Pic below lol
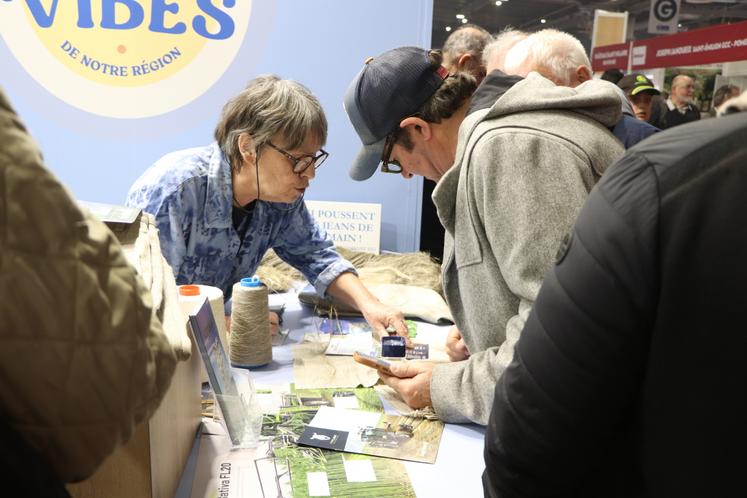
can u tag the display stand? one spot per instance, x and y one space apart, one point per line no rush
239 412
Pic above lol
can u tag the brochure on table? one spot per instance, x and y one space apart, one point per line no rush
369 433
310 471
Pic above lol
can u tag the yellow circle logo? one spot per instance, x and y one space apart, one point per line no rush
125 58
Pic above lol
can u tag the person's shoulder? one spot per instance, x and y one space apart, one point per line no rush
642 128
681 151
172 170
184 164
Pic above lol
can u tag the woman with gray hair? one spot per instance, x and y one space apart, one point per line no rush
219 208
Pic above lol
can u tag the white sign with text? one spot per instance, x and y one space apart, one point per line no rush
353 225
664 16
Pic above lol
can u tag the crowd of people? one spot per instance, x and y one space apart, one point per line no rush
592 262
595 291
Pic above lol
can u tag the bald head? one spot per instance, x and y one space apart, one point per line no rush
683 89
495 52
463 50
682 80
556 55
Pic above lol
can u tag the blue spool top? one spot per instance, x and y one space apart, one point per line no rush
251 282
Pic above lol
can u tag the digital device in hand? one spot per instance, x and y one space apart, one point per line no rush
393 346
372 362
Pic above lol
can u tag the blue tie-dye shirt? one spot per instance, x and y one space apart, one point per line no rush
190 194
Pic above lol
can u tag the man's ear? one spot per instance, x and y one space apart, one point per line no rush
418 126
583 73
464 62
247 147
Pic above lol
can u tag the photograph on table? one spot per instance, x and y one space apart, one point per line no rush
319 472
370 433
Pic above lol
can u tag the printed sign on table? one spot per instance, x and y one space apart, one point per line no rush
353 225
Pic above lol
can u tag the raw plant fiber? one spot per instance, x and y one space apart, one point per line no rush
416 269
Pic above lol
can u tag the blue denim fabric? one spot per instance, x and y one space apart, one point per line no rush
190 194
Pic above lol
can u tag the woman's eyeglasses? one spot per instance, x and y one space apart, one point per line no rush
301 164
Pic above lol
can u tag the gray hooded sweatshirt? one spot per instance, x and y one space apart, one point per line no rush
522 172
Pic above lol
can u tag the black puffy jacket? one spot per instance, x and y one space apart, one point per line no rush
630 377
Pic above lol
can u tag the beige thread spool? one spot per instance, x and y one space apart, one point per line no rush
251 342
191 296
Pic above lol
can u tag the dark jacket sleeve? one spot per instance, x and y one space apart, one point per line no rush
580 358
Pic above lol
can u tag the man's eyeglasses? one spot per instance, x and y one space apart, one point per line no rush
300 164
390 165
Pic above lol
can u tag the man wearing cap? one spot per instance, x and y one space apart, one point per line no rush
511 178
639 91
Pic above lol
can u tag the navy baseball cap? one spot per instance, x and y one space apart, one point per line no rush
389 88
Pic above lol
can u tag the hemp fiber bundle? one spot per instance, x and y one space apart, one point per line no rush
416 268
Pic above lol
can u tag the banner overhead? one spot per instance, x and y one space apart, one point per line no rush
722 43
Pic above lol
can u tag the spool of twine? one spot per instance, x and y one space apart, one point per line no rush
192 296
251 342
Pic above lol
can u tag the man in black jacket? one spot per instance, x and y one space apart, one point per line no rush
630 375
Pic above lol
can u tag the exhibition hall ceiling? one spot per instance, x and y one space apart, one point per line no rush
575 17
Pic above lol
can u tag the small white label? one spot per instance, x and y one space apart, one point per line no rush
359 471
318 484
349 402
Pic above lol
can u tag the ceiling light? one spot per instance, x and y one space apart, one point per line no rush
465 21
448 28
498 3
679 25
460 16
543 21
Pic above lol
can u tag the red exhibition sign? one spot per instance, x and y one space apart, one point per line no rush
722 43
610 57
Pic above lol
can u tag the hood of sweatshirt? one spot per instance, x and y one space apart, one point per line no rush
595 99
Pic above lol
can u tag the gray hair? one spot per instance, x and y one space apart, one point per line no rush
552 53
266 107
495 52
466 39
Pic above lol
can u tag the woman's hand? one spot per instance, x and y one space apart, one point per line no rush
385 320
274 323
382 318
